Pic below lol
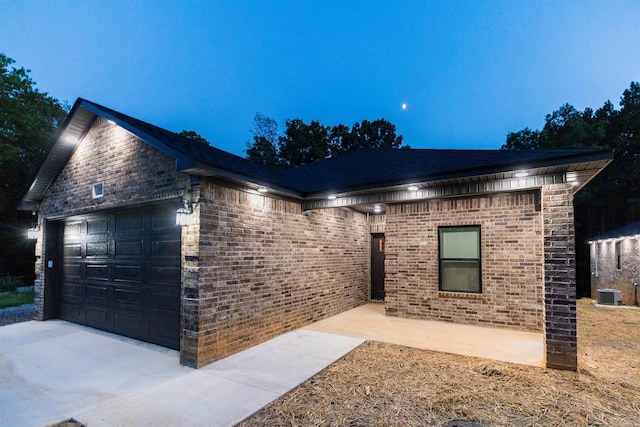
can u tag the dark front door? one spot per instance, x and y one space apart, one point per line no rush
122 274
377 266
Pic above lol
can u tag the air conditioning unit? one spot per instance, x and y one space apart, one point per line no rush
609 297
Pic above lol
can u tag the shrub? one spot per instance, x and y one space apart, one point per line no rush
10 283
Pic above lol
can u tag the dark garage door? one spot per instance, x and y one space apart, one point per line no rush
122 274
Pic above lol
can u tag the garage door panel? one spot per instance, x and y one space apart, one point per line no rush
128 249
97 249
97 271
72 228
131 297
129 273
98 226
73 312
128 323
72 271
72 250
162 328
163 220
162 274
164 248
97 316
122 274
163 299
96 293
128 223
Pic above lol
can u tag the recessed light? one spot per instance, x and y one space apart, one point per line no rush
377 208
521 174
332 197
71 139
262 190
412 188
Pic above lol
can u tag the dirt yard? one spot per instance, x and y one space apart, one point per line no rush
381 384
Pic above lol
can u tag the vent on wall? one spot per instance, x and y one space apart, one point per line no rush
609 297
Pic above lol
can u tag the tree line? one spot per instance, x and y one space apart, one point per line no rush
612 199
304 143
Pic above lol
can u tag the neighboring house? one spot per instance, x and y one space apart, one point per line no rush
480 237
615 263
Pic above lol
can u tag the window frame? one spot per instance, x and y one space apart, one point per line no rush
442 229
618 252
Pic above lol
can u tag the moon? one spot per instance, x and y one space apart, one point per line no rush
404 106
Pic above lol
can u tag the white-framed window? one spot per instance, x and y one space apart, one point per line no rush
459 259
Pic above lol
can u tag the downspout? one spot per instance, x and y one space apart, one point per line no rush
597 254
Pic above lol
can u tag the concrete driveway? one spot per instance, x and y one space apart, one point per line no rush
55 370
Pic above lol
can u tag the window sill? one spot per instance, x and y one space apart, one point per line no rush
459 295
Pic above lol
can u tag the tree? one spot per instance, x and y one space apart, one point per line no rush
194 136
28 122
304 143
526 139
263 150
612 199
379 133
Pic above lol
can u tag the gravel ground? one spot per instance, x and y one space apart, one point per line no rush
22 313
380 384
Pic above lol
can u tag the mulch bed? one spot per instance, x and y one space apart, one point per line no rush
380 384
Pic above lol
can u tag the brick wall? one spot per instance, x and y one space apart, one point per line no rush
511 258
132 173
264 269
609 276
559 277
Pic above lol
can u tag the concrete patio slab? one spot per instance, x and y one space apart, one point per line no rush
51 371
370 322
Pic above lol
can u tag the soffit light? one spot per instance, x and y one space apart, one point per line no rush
70 139
412 187
332 197
521 174
377 209
262 189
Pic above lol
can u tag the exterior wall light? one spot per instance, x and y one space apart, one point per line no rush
33 232
184 215
412 187
332 197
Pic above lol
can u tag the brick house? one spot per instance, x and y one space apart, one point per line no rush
482 237
615 263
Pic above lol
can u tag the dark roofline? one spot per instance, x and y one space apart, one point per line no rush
182 161
308 181
627 230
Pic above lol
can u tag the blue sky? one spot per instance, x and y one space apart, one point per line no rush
469 71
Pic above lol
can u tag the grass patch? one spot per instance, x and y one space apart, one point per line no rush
14 299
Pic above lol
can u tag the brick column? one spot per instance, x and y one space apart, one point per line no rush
190 308
559 278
